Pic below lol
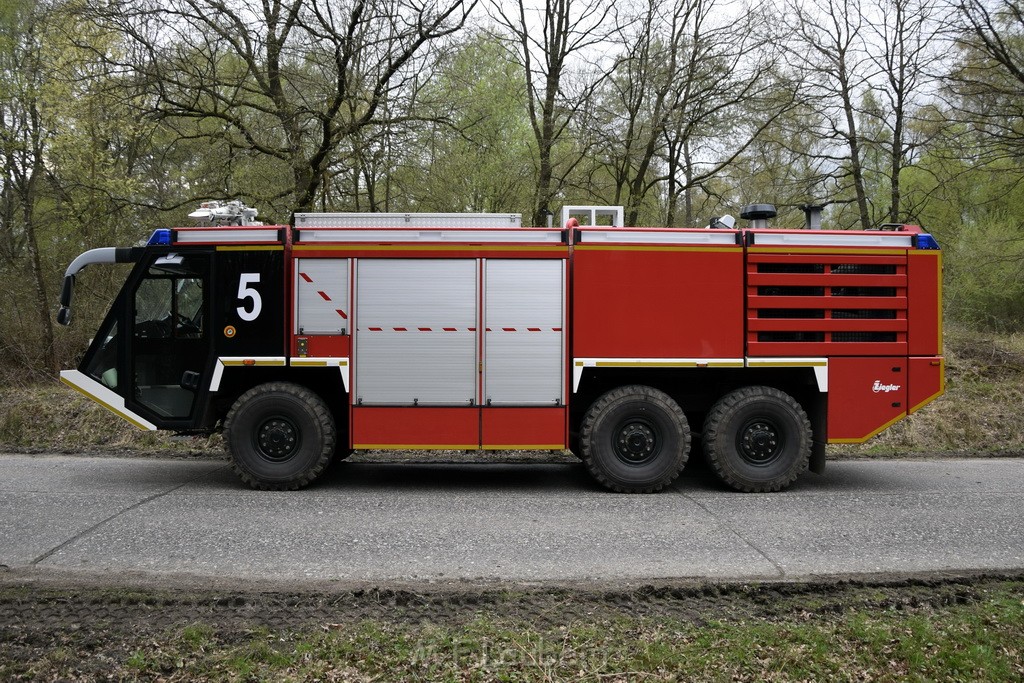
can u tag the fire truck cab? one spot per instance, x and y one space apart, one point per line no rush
348 332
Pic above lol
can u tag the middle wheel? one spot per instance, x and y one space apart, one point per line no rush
635 439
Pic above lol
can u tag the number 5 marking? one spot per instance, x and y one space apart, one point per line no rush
247 292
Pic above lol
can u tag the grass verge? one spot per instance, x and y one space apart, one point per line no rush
960 632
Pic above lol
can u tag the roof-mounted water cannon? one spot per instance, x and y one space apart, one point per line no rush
758 214
228 213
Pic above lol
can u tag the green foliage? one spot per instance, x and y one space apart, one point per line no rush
985 274
475 154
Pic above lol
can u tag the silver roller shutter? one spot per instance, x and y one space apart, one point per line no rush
523 343
416 338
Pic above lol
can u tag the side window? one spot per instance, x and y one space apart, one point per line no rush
169 302
103 365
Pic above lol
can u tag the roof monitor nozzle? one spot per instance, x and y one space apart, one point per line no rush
726 222
812 216
758 214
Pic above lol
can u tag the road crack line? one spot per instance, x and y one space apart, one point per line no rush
56 549
737 534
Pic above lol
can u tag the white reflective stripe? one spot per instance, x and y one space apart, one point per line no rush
579 363
218 372
398 236
307 362
814 238
224 235
407 220
694 237
820 366
104 396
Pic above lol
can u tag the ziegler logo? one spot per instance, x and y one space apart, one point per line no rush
878 387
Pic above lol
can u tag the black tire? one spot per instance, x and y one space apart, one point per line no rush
281 436
757 439
635 439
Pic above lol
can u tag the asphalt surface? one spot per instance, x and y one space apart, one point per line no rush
517 522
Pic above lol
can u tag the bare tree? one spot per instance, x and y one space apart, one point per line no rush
829 51
693 88
545 41
288 81
23 141
905 54
988 82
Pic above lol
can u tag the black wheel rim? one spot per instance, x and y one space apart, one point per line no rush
636 442
277 439
760 441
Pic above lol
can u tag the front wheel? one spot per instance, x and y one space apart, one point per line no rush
635 439
757 439
281 436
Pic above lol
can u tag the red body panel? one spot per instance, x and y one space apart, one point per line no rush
924 273
865 395
927 381
420 427
873 311
525 428
651 302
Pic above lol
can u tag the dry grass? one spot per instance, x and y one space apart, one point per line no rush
978 415
53 418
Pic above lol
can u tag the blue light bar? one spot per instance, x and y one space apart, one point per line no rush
160 238
926 241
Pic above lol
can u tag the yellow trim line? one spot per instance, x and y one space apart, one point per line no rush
415 447
255 363
456 447
786 364
666 364
251 247
106 405
656 247
878 431
560 250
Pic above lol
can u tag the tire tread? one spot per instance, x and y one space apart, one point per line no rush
322 416
589 425
714 423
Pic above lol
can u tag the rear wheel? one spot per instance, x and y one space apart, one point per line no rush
635 439
281 436
757 439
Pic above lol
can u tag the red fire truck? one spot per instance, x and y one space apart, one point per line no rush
347 332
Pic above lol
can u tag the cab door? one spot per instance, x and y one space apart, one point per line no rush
168 343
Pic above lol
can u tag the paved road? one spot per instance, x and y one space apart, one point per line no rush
505 521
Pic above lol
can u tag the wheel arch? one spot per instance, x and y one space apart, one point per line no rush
696 390
325 382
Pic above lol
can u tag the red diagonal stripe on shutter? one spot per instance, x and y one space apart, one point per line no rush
324 295
305 277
